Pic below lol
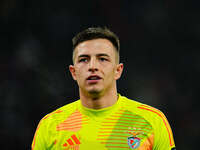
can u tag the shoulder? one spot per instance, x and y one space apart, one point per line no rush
129 104
155 117
60 113
148 112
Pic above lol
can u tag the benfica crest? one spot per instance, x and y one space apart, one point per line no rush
133 142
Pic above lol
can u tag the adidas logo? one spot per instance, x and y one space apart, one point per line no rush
72 143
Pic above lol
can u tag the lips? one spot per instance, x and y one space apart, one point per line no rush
94 77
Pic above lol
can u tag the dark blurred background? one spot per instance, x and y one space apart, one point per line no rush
159 48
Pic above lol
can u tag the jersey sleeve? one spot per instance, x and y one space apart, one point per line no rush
163 137
163 134
39 140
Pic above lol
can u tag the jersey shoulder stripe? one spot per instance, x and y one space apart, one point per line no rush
66 109
162 116
51 117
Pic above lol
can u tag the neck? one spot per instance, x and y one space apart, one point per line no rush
104 100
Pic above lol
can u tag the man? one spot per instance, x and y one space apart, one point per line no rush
102 119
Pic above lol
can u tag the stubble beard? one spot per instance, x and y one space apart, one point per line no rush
95 94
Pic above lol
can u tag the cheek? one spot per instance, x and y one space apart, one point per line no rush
110 73
79 72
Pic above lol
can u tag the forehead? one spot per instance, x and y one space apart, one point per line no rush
95 46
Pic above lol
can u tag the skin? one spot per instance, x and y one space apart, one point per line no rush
97 57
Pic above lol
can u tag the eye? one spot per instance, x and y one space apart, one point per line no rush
103 59
83 60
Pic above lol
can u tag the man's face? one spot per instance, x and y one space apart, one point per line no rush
95 66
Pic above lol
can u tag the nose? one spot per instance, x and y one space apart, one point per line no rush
93 66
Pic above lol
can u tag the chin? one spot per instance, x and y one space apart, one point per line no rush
95 93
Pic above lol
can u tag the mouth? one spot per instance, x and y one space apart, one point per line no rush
93 78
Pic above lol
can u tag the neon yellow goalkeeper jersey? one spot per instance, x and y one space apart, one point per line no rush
126 125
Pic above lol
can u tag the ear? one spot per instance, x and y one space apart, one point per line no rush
72 70
119 70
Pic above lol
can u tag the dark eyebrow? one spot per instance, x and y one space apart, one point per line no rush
98 55
103 55
83 55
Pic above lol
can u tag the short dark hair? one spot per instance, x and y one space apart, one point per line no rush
95 33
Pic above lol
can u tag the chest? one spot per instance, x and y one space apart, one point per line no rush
120 131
